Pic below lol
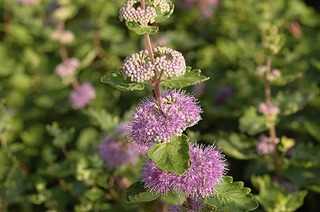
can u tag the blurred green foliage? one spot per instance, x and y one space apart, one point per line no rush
49 156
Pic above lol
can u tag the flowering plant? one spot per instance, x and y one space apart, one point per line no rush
175 163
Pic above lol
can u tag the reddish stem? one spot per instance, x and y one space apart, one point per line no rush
272 129
155 81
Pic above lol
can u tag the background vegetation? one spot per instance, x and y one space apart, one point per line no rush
49 156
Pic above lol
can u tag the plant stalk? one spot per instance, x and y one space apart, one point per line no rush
155 81
272 129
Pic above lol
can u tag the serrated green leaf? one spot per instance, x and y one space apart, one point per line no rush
251 122
284 201
172 156
238 146
136 193
191 77
116 80
232 196
141 30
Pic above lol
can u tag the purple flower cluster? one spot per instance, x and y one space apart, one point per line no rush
206 169
82 95
270 111
266 145
68 68
166 61
151 123
117 153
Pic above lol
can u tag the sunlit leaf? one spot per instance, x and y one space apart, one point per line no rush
191 77
232 196
172 156
116 80
269 189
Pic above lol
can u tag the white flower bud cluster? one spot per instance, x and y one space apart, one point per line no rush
169 61
166 61
131 14
138 67
162 4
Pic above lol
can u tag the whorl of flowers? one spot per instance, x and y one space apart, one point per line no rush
207 166
63 36
162 4
273 75
271 110
166 61
67 68
117 153
129 13
266 145
151 123
82 95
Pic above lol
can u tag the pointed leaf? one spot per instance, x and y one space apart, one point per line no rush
232 196
191 77
313 127
116 80
136 193
239 146
141 30
172 156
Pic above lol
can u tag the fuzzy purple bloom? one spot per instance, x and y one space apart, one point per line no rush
266 145
205 172
151 123
167 62
117 153
68 68
81 96
122 130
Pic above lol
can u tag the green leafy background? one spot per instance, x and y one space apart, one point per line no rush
49 157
